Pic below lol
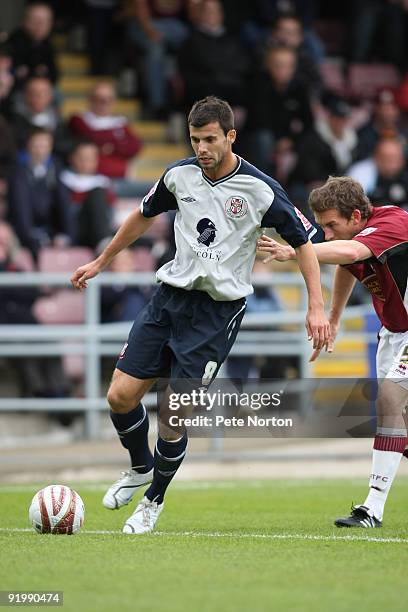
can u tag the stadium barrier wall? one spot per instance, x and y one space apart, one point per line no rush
94 340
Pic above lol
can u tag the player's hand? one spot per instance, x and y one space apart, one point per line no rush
318 328
84 273
329 346
276 250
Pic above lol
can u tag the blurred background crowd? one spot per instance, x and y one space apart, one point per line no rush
93 98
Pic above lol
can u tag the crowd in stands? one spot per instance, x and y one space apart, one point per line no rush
318 89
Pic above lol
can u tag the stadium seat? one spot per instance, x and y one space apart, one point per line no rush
365 80
159 230
64 307
332 74
74 366
66 260
24 260
144 260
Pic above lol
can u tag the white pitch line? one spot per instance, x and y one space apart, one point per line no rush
187 485
239 536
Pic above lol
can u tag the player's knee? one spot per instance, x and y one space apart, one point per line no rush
119 400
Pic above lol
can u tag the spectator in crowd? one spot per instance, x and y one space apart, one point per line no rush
384 176
116 142
326 149
100 20
222 69
39 208
367 16
6 79
37 109
279 108
385 122
90 195
7 139
287 31
120 303
38 376
31 47
156 28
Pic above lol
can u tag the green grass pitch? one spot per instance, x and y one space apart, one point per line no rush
227 547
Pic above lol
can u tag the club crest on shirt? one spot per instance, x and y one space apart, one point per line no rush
236 207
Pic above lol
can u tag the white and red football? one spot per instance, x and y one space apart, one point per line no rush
57 509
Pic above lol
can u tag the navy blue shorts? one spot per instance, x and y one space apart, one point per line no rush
181 334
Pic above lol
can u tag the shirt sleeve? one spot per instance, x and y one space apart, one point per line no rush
384 237
288 221
158 200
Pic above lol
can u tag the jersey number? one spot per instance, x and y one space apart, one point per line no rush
210 370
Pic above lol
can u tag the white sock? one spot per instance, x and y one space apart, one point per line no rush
384 468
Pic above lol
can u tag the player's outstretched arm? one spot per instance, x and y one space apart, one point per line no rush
317 325
134 226
276 251
343 285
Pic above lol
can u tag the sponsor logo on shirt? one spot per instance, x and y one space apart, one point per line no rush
236 207
151 192
367 231
372 284
206 231
305 222
123 351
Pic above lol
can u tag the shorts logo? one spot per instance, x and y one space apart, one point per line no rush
401 368
404 356
236 207
123 351
206 232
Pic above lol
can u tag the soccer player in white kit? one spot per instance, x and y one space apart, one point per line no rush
190 324
371 245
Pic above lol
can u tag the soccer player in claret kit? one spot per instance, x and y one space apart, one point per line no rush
371 245
189 326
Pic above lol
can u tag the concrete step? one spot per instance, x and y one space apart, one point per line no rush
163 153
150 131
79 85
71 105
332 367
73 63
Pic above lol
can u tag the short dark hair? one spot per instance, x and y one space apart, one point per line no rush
341 193
38 131
209 110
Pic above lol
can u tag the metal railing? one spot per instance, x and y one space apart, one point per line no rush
259 335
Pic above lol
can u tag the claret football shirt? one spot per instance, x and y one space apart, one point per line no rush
218 223
385 274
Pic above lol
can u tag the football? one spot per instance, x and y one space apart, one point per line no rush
57 509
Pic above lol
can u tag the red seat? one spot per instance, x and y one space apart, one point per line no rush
67 260
64 306
24 260
365 80
333 76
74 366
160 228
144 261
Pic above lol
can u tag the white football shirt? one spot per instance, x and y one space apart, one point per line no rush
218 223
